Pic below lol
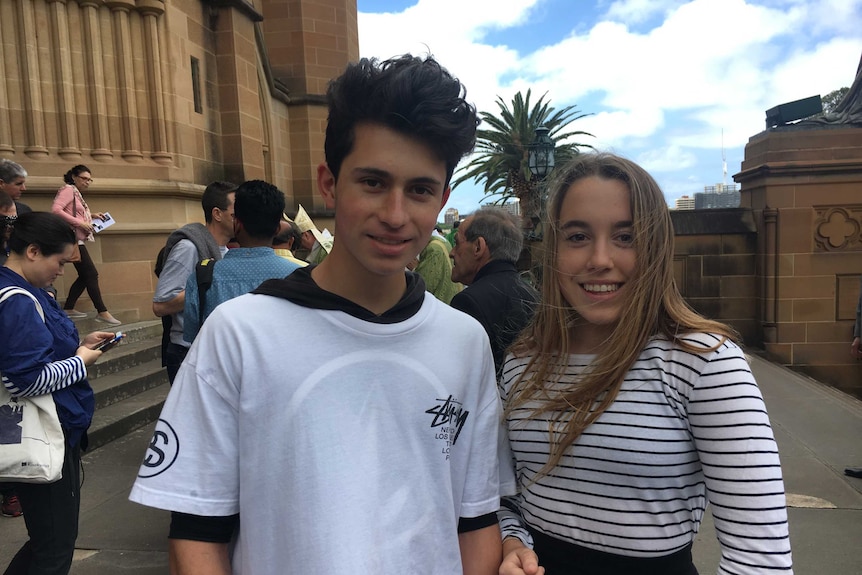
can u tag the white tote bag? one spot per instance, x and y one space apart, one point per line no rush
32 445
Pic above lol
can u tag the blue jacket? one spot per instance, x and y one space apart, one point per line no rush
27 345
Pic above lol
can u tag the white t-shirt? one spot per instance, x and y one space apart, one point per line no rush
346 446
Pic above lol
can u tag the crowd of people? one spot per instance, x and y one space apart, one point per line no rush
478 425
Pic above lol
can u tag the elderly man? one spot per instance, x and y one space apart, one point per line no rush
487 245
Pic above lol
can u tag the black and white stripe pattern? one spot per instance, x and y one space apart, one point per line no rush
55 376
686 428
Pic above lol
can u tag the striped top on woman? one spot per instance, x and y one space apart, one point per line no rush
686 429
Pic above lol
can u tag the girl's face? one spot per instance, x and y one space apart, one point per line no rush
40 270
596 259
83 181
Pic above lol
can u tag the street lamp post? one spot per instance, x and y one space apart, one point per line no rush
541 162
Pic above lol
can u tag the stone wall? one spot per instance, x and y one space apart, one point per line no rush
714 266
804 188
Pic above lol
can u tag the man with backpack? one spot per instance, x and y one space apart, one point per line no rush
258 209
184 248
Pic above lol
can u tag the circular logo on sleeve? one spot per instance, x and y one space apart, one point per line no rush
162 451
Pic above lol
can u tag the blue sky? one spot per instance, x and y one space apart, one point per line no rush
666 81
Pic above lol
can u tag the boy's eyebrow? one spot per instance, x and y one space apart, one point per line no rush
383 174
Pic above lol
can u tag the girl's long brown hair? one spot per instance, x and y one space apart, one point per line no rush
654 307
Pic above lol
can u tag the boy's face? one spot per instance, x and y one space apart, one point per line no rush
389 193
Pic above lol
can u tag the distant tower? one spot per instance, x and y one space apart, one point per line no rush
723 161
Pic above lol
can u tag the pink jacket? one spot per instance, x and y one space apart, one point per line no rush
68 201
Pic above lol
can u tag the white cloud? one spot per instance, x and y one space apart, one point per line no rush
662 78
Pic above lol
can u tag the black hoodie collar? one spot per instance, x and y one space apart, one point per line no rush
301 289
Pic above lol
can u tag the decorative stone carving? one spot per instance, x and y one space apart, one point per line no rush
836 228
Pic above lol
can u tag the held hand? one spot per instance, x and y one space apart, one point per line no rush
99 215
856 349
88 227
95 338
88 355
520 561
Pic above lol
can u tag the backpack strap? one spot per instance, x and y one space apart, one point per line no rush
9 291
204 277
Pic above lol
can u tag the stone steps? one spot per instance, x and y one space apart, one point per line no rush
129 381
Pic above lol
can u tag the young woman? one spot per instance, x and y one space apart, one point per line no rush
627 411
70 205
40 357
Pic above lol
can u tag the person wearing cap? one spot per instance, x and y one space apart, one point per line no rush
313 241
372 443
286 239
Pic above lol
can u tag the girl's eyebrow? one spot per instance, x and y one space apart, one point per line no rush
582 224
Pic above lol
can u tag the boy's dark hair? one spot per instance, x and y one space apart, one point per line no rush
259 206
290 231
414 96
48 232
215 196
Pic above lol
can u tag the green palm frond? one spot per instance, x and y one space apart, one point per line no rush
500 162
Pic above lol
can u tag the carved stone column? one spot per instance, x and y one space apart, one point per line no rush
64 88
6 140
770 271
28 62
94 73
125 78
151 10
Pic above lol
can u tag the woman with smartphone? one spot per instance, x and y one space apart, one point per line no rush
45 356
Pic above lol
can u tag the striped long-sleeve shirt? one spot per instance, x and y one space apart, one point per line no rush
686 428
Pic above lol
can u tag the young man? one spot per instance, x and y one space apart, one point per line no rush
258 209
372 445
184 248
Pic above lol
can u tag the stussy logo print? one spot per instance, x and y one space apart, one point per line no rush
449 417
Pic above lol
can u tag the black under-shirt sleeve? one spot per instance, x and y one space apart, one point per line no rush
202 528
466 524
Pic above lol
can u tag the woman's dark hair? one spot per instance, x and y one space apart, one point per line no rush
76 171
411 95
48 232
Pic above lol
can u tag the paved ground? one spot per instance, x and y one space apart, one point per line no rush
819 432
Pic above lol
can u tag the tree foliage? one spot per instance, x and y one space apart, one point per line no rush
501 160
832 99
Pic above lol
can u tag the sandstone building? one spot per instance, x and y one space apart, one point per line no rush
160 97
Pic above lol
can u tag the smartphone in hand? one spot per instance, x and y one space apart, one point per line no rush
107 344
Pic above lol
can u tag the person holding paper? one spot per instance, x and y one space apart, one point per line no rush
69 204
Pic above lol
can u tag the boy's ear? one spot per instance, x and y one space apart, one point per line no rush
326 185
446 193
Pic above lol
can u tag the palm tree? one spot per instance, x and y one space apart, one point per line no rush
501 160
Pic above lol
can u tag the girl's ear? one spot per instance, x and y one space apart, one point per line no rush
33 251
